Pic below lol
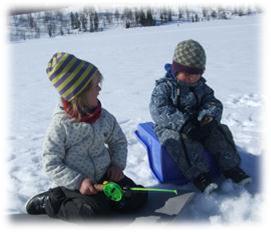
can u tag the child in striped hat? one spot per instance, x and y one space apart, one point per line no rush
83 147
187 117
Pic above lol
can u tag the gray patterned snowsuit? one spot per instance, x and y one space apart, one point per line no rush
172 105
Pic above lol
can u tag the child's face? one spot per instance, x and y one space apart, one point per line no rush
188 78
92 94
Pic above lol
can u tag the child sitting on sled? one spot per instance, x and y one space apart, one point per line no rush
187 117
83 147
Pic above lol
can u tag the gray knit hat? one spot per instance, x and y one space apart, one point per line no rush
189 56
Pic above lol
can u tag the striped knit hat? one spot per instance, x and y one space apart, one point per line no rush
70 75
189 56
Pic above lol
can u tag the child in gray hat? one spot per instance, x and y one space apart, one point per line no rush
187 120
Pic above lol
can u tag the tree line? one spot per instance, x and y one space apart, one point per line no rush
62 22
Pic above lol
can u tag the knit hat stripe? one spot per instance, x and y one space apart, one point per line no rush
76 76
72 69
73 87
60 67
54 60
176 68
83 85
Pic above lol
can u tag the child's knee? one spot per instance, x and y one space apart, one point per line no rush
226 130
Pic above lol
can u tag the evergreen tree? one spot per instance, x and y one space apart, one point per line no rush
142 18
193 18
188 15
214 14
128 17
117 15
37 32
180 13
31 22
50 32
61 31
96 21
149 19
163 16
137 17
196 18
72 18
83 22
241 12
47 17
169 15
204 12
76 21
109 18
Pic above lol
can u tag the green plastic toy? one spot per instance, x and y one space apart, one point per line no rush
115 192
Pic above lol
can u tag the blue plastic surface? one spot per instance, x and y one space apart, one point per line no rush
160 162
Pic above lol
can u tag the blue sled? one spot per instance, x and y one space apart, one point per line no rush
160 162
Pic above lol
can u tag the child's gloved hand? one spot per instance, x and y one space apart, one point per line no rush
207 126
191 130
206 120
204 115
114 173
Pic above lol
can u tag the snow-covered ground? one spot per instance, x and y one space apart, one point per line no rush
130 61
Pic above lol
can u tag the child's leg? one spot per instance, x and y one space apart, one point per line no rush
187 154
132 200
71 205
221 145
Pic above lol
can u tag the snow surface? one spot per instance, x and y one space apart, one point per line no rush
130 61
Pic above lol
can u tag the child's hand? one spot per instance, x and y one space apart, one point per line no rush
191 130
114 173
206 120
87 187
208 126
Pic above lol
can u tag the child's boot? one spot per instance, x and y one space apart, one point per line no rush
36 205
204 183
238 176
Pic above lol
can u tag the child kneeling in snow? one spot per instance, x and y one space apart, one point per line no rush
187 117
83 147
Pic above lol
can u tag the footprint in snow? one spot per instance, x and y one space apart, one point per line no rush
248 100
